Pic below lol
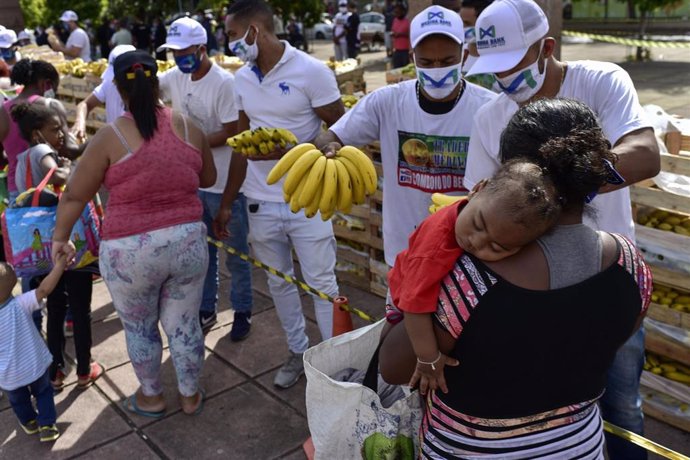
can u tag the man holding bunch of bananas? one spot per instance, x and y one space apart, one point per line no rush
205 93
281 87
423 125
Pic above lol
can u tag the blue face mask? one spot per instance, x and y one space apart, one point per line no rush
189 63
7 54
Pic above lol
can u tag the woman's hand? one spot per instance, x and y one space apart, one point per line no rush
62 249
431 377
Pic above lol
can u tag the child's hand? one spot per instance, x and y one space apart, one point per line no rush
432 378
61 261
64 249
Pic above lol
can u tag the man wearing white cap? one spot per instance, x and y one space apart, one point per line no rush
423 125
206 93
512 44
340 31
78 44
8 49
105 94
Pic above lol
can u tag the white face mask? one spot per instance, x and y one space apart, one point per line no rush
439 82
522 85
243 50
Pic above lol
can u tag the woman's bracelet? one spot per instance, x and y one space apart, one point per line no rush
432 363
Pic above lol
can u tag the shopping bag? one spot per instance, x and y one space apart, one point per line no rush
347 420
28 233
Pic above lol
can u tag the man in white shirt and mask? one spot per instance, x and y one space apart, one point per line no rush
339 31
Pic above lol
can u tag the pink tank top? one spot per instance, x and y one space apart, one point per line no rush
154 187
14 143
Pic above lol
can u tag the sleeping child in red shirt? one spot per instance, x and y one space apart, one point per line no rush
500 216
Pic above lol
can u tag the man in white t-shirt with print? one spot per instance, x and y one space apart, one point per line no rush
512 44
206 94
78 44
424 127
281 87
104 95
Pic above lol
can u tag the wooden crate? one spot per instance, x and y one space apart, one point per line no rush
355 78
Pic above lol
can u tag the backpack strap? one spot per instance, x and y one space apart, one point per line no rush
41 186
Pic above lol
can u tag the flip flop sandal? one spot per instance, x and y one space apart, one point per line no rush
200 407
130 405
96 371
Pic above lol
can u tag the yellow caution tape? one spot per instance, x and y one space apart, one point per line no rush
613 429
641 441
290 279
627 41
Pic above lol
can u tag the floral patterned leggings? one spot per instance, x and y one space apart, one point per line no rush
159 276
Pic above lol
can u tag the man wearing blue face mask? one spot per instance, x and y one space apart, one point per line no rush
423 125
205 93
8 50
512 44
281 87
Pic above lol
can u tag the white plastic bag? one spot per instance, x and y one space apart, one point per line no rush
347 420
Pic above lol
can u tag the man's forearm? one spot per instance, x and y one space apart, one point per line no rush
325 138
238 172
638 158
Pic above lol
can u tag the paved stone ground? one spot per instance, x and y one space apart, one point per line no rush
245 416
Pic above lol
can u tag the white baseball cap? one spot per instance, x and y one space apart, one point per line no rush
183 33
68 16
23 35
7 38
342 3
436 20
505 31
109 74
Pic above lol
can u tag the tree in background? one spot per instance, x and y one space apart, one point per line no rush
33 11
646 8
47 12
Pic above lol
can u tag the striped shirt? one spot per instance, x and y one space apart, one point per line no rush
533 363
24 356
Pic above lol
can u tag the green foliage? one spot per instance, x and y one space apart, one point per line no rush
33 11
309 11
648 6
85 9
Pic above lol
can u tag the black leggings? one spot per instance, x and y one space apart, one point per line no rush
74 288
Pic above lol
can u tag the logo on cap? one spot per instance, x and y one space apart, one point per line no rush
173 32
434 18
490 32
492 41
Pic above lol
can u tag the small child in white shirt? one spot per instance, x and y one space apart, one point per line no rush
24 356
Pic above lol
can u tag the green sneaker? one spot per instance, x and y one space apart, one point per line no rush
48 433
31 427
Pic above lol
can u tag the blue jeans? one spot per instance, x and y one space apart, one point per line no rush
26 281
240 271
42 391
621 403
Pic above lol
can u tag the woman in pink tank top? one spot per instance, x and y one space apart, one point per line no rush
154 255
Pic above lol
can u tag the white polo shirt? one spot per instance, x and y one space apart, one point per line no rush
608 90
209 102
283 98
80 38
421 153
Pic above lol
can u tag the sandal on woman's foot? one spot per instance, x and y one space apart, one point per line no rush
59 382
130 405
85 381
200 404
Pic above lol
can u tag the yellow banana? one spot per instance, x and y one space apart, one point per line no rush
271 145
294 199
358 191
263 148
251 150
287 135
330 185
286 162
299 170
311 209
314 181
286 197
441 199
256 136
678 377
433 209
265 134
652 360
668 367
327 216
364 165
344 187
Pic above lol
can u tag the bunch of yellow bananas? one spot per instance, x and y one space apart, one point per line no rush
665 220
673 370
669 297
440 200
165 65
349 100
78 68
318 183
262 141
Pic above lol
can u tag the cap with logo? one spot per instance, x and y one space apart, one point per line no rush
68 16
436 20
183 33
505 30
7 38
